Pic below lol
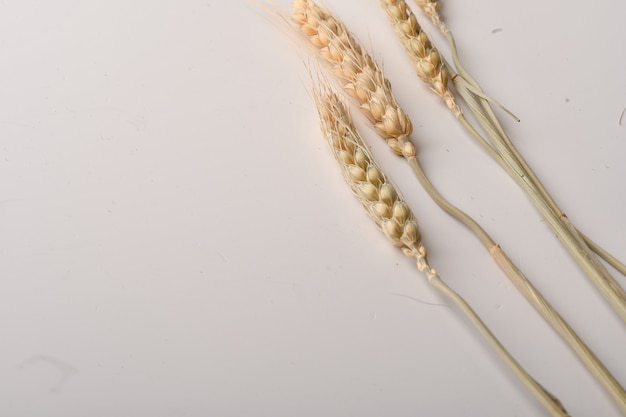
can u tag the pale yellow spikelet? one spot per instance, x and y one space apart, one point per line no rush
424 56
377 194
357 71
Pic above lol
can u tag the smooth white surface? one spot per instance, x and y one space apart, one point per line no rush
175 238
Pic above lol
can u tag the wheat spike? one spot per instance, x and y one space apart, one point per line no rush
377 195
359 74
424 56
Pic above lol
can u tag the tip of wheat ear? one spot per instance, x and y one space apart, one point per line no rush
431 9
358 73
377 194
424 56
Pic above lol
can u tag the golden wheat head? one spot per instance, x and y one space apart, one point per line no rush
356 70
377 194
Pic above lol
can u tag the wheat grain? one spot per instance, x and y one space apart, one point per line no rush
424 56
359 74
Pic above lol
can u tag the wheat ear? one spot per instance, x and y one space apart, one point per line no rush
385 205
484 113
356 70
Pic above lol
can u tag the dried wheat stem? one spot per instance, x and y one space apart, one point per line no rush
602 253
568 235
431 9
549 401
589 359
392 215
490 123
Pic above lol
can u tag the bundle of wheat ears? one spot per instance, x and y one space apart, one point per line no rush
360 77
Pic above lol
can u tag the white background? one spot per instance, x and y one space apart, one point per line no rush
176 240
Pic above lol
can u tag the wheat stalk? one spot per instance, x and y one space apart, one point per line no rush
426 59
385 205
